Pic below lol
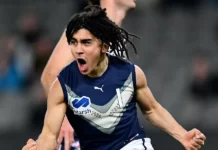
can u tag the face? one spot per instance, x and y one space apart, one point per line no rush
87 51
128 4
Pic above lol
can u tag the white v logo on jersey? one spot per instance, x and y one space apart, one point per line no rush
99 88
111 112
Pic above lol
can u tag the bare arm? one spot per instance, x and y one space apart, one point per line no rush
56 109
154 112
60 58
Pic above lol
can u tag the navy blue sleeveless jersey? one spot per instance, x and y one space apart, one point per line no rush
102 110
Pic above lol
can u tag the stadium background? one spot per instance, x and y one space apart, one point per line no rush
178 45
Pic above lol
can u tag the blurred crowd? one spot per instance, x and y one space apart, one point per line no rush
204 83
24 53
26 46
25 50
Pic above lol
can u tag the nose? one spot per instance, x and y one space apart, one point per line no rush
79 50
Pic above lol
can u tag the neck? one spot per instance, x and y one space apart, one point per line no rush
114 12
100 68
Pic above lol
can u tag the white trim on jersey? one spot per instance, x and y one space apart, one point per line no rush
119 98
110 113
140 144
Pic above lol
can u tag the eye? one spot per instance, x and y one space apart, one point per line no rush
87 43
72 42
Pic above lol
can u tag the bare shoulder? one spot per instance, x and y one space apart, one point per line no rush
140 77
56 93
56 85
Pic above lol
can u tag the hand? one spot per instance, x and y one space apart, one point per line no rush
30 145
193 140
66 133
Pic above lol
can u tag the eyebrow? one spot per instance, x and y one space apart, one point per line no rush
85 40
82 40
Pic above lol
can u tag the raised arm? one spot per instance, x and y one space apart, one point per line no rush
160 117
61 57
56 109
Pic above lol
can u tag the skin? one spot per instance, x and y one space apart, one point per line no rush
61 57
116 11
152 110
85 46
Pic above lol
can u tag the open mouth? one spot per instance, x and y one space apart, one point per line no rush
81 61
82 64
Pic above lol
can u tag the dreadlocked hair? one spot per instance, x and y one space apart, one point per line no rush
94 2
95 20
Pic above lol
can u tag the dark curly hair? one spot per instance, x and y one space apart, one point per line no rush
94 2
95 20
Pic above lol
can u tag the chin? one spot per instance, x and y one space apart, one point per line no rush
84 73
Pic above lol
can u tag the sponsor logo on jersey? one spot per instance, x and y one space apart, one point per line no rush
81 105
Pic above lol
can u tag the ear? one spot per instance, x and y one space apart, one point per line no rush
105 48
